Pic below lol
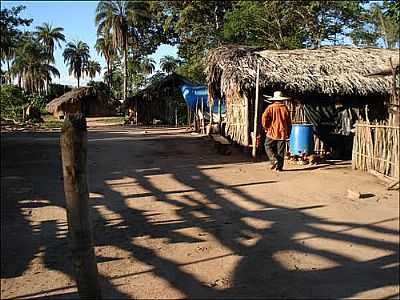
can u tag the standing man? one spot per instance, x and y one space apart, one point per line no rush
277 125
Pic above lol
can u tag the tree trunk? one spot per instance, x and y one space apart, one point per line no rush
109 75
78 80
383 30
74 163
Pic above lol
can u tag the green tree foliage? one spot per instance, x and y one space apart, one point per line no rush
10 34
91 68
50 37
105 47
12 99
77 56
196 26
169 63
272 24
193 69
100 86
123 20
377 24
290 24
33 65
147 66
393 10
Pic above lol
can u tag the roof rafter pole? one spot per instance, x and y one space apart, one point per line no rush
254 152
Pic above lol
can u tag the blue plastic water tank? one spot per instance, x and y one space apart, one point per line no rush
301 139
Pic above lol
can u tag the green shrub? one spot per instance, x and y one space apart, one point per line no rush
12 100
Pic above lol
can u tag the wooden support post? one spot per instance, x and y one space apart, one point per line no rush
189 115
220 116
136 113
246 124
254 152
196 117
203 122
74 163
211 118
176 116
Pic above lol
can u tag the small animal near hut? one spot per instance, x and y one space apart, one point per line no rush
323 84
85 100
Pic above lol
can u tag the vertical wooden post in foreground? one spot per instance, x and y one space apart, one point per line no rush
74 164
254 152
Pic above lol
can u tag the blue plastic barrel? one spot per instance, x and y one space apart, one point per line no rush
301 139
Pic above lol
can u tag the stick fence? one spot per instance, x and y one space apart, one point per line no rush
376 147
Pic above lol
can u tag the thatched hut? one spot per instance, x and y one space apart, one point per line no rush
323 85
85 100
161 100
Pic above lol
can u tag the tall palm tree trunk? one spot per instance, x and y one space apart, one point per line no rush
109 74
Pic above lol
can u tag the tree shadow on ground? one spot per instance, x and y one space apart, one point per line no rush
216 213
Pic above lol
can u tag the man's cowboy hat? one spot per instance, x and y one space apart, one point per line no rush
276 97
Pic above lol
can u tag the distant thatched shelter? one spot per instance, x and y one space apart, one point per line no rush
86 100
161 100
320 82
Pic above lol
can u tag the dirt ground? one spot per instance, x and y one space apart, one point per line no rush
172 218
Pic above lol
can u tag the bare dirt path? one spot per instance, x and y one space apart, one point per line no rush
174 219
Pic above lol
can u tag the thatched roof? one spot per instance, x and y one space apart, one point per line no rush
394 64
327 70
73 96
159 87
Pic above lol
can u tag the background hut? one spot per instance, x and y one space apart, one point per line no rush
85 100
328 87
161 100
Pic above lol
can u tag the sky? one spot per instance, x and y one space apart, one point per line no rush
77 19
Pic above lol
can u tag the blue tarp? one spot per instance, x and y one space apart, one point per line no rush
196 94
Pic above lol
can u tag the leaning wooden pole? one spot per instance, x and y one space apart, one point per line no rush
74 164
254 152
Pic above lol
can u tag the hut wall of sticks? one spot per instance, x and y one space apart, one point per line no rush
376 145
161 101
85 100
327 87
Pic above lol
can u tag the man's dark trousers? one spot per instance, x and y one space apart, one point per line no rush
275 150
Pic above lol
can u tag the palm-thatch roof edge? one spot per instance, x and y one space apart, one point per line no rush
331 70
72 96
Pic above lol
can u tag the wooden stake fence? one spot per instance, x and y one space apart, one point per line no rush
376 147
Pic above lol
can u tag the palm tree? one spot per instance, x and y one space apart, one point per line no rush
76 55
92 68
117 17
33 66
105 48
50 38
169 63
148 65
